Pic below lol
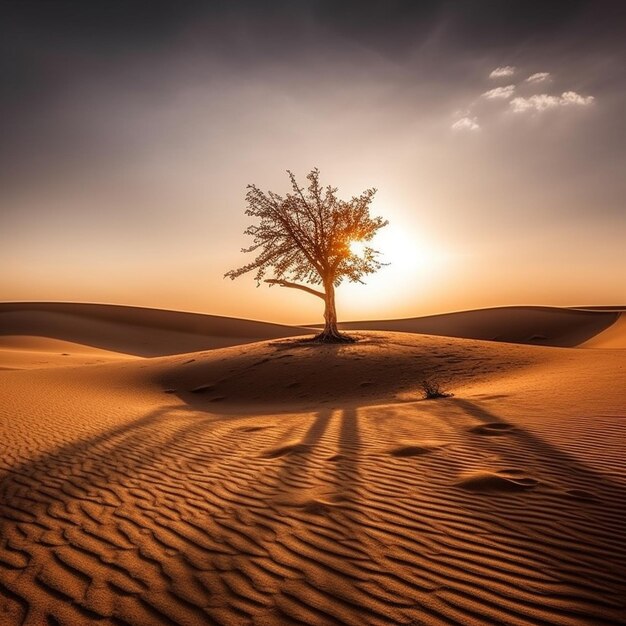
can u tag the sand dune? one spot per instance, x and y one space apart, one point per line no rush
281 483
548 326
613 337
25 352
60 334
133 330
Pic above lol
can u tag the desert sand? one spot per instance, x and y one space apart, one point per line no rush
159 467
548 326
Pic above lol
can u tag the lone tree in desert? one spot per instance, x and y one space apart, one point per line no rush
306 237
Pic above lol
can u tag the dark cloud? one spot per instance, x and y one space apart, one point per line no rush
54 52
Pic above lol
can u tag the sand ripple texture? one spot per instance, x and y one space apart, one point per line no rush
121 505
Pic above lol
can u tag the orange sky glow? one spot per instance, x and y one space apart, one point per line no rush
499 169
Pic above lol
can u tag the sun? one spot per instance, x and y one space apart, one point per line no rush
408 253
357 247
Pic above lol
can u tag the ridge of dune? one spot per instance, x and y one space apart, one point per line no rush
24 352
173 490
124 330
616 308
612 337
133 330
536 325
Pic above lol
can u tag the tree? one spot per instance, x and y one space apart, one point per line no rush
305 237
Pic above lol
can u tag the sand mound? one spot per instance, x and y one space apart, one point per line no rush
133 330
123 504
291 372
545 326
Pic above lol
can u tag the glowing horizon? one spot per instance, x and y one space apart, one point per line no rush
495 149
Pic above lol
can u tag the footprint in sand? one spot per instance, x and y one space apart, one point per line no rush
502 481
316 507
512 471
492 428
252 429
202 388
293 448
580 494
417 449
336 457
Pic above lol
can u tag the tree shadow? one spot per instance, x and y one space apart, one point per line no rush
179 504
113 500
579 527
534 447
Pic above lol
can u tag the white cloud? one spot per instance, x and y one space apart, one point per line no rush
500 92
538 103
543 101
507 70
539 77
466 123
571 97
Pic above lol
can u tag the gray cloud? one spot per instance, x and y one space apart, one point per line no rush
499 93
538 77
542 102
466 123
500 72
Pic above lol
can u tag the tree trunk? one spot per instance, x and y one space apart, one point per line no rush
331 333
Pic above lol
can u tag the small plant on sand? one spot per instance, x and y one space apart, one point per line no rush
309 236
432 390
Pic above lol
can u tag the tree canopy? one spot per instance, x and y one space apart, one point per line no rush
303 238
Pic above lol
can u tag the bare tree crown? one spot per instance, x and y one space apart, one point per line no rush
305 236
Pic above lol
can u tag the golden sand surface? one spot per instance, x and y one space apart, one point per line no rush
280 482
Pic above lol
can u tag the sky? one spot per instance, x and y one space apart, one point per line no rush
493 131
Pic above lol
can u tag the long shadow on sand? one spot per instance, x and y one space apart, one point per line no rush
185 516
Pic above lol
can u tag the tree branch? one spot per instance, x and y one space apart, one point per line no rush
286 283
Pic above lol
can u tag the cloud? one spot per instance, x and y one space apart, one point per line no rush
538 103
499 92
543 101
571 97
466 123
539 77
499 72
